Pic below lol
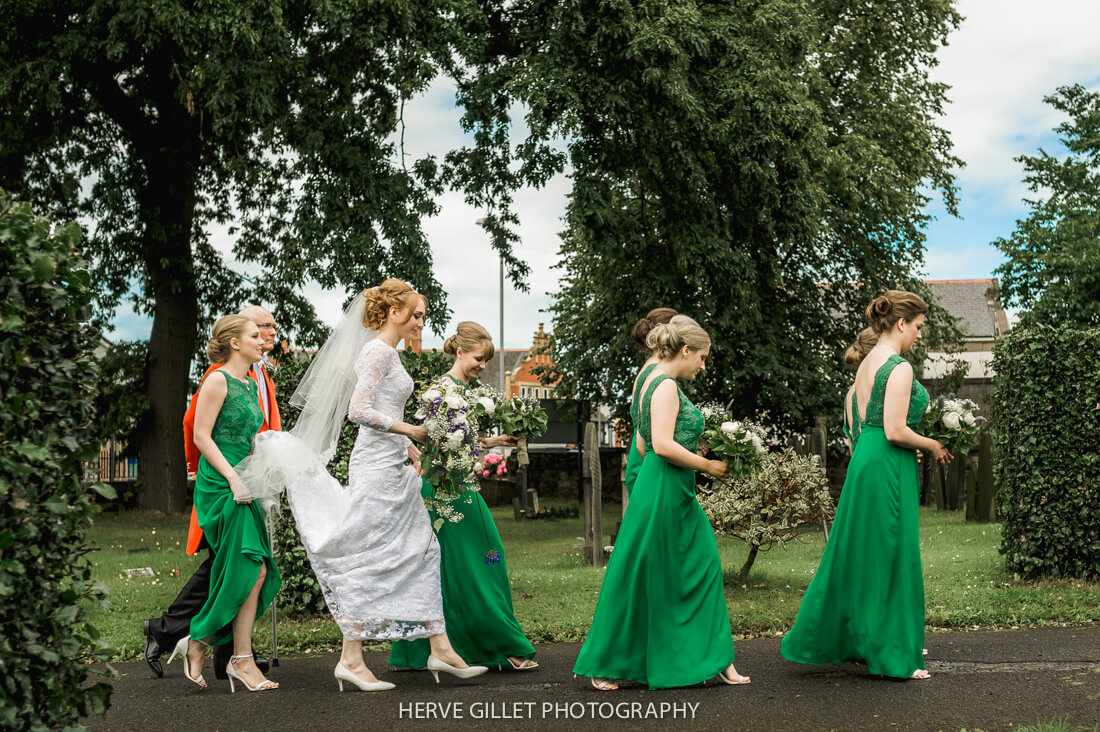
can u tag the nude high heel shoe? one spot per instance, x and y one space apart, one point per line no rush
342 674
434 665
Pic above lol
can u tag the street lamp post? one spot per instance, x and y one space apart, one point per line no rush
481 222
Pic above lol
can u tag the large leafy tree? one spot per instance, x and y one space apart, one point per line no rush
278 119
1053 267
745 163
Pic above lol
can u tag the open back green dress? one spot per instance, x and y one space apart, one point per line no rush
477 595
661 617
866 600
633 457
236 531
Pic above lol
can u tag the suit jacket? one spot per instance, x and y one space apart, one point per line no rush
194 534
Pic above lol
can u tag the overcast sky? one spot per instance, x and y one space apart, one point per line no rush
1005 58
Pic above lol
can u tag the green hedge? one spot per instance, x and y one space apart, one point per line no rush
47 376
301 594
1046 439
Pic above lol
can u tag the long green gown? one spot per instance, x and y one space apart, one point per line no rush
633 457
661 617
866 600
236 532
477 595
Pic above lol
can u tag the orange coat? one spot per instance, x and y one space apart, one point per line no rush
194 534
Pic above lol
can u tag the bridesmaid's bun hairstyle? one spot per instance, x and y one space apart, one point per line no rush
470 336
390 294
666 339
219 348
892 306
657 316
858 351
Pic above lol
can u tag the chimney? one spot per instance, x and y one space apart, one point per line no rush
413 344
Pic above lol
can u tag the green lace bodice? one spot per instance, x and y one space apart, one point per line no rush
851 429
918 398
240 417
638 392
689 420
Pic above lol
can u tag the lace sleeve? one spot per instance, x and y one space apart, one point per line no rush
372 366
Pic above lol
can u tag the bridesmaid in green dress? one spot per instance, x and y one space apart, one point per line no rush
661 617
477 595
243 579
866 600
639 333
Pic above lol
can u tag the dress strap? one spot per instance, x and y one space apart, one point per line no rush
645 424
638 389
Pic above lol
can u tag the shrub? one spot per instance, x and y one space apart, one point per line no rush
47 373
787 495
1046 441
301 593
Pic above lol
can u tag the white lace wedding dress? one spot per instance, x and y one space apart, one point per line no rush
371 544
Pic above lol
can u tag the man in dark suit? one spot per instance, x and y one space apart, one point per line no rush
162 633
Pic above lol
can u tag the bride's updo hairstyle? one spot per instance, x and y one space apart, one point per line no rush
858 351
390 294
641 329
891 306
470 336
666 339
218 348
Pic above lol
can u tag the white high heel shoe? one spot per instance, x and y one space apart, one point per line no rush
181 651
434 665
264 685
342 674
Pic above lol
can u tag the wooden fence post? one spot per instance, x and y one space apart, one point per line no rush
986 507
591 480
955 483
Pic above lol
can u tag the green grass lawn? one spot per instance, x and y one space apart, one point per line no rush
555 593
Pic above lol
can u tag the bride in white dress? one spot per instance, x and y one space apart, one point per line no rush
371 544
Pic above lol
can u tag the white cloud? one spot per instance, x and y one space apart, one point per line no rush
1006 56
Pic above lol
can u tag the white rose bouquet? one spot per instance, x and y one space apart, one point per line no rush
953 422
482 401
451 458
742 444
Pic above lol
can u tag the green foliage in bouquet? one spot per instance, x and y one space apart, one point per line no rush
521 416
47 375
787 495
1046 429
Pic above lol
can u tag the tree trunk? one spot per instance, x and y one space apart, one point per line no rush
744 571
168 208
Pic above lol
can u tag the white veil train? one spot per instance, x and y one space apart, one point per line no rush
299 456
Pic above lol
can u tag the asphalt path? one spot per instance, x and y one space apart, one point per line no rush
989 680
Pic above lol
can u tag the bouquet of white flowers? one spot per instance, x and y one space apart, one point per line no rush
740 443
451 458
952 421
482 401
